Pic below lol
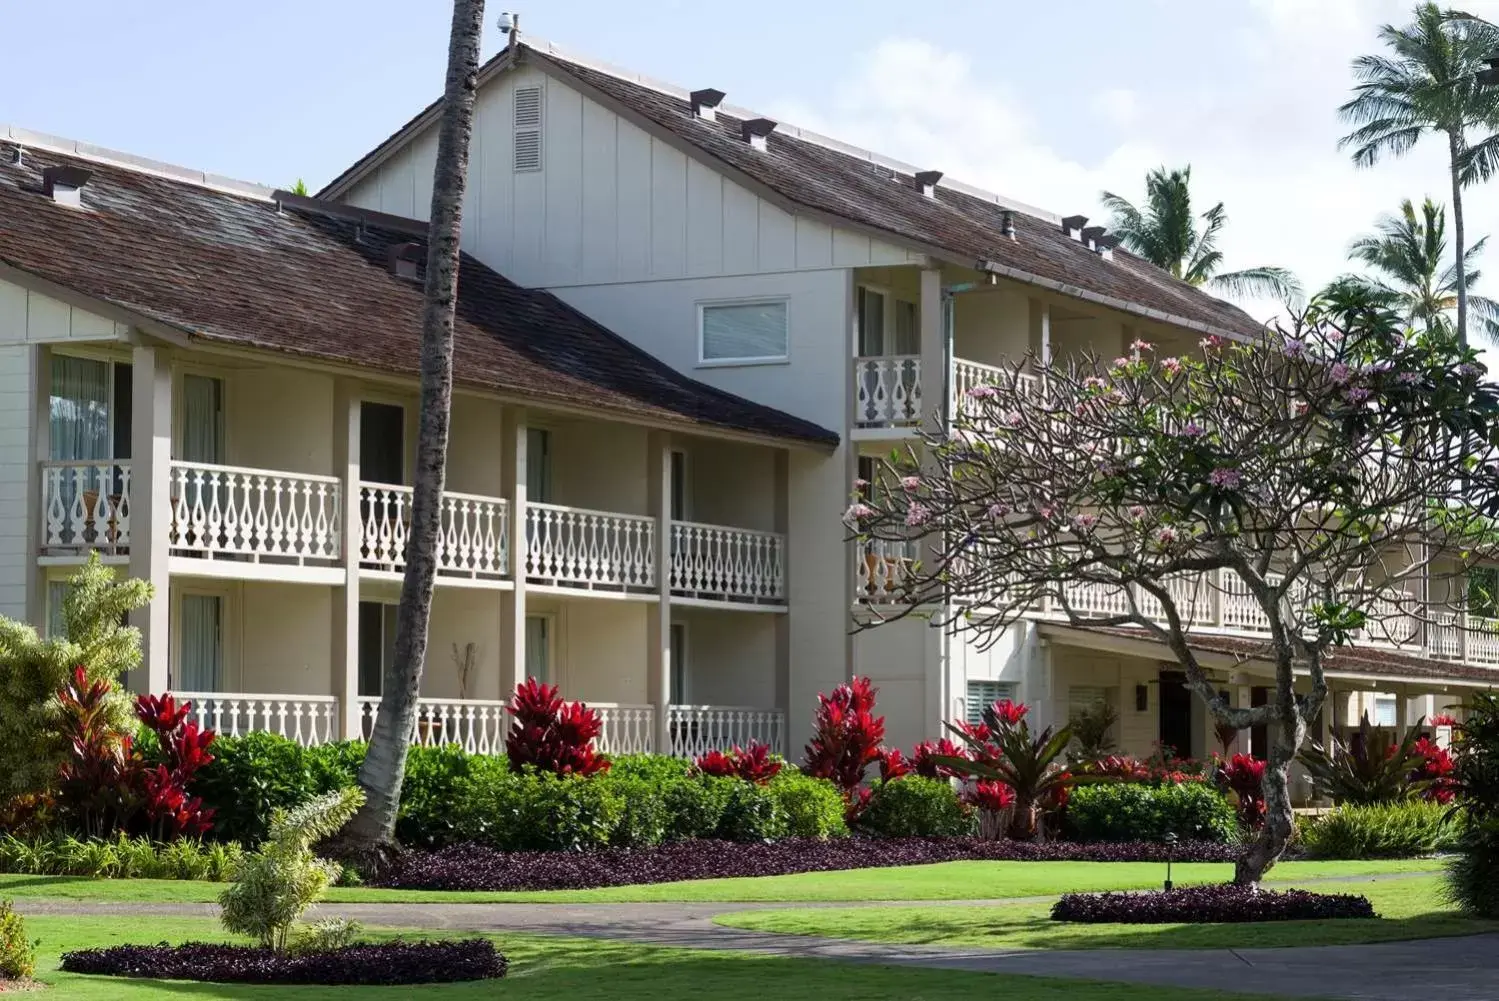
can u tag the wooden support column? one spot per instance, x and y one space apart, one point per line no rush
345 648
658 627
150 502
512 667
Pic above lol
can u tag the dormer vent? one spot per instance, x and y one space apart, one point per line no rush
1007 223
705 103
1073 226
64 185
405 260
926 182
1092 234
756 132
1105 246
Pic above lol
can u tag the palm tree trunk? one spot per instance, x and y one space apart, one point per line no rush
1454 151
370 833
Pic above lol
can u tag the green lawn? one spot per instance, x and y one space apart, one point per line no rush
563 969
943 881
1408 909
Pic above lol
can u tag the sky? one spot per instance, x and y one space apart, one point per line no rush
1047 103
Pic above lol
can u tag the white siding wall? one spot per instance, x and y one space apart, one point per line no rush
611 204
29 317
17 490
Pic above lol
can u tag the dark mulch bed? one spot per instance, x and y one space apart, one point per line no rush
474 867
1209 904
373 964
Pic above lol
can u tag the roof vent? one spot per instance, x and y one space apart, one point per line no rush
705 103
64 185
1105 246
1007 223
20 160
926 182
404 260
1073 226
1092 234
755 131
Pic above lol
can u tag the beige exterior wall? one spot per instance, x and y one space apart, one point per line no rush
731 658
1137 731
475 447
900 657
729 483
461 616
276 417
598 646
598 465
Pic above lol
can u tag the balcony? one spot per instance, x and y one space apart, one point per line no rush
714 563
85 506
473 541
888 390
255 515
577 548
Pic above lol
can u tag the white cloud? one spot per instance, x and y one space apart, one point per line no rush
1264 145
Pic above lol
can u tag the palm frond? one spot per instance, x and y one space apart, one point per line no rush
1258 283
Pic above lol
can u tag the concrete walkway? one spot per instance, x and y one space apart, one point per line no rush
1454 969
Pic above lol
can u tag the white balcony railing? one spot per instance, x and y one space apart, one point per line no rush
712 561
881 568
627 729
255 514
473 541
573 547
307 719
697 730
476 725
85 505
967 375
887 390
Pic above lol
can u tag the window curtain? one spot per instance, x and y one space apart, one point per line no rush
871 322
538 465
201 419
79 408
538 648
907 332
747 331
202 661
679 665
57 593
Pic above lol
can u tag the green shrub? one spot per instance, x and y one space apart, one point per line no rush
811 806
535 811
17 952
1129 811
643 815
1387 830
655 767
916 807
118 858
750 813
1472 877
694 806
433 777
254 775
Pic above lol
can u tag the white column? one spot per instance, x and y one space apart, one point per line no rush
345 652
150 502
513 601
1402 713
933 346
783 620
41 429
1045 334
658 628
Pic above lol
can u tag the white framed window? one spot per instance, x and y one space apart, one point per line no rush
749 332
983 694
200 419
1384 710
1083 698
57 593
539 648
377 646
539 465
527 120
887 325
680 693
200 643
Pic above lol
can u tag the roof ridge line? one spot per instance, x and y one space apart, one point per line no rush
130 161
549 48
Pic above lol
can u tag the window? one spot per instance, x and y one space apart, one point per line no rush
57 593
887 326
201 644
202 419
678 654
539 465
1384 710
679 505
527 129
744 332
539 648
81 412
982 695
377 646
1085 698
1483 592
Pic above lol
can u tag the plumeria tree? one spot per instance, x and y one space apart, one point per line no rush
1325 477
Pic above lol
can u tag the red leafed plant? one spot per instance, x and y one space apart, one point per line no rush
551 734
846 737
893 764
753 764
97 785
923 764
1436 770
989 794
1245 778
170 809
1444 719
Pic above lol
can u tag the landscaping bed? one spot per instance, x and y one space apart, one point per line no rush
475 867
1218 904
387 963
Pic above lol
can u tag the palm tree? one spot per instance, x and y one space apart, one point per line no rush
1408 253
1167 235
1428 84
369 834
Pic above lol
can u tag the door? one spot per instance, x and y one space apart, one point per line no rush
680 500
539 648
1259 736
382 443
538 465
1176 714
678 653
201 438
377 646
200 644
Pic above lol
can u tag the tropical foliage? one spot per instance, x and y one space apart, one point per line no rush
551 734
1014 767
1473 872
1167 234
1369 768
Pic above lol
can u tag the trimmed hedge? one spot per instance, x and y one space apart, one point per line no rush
1209 904
1386 830
1130 811
916 807
370 964
252 775
475 867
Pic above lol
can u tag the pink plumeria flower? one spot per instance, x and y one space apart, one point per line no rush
1166 536
1136 512
1224 477
1211 343
917 514
1140 345
998 511
1294 348
1356 394
1408 378
982 392
1339 373
860 483
1095 382
910 484
1122 362
1084 522
1193 430
858 512
1171 366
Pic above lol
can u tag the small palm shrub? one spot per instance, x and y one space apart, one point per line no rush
1370 768
1472 878
1382 830
278 882
17 952
918 807
1092 732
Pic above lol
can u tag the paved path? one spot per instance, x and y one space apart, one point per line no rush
1455 969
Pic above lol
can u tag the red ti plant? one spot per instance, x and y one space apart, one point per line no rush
550 734
752 764
847 736
1002 749
923 760
97 783
1435 772
893 764
171 811
1245 777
